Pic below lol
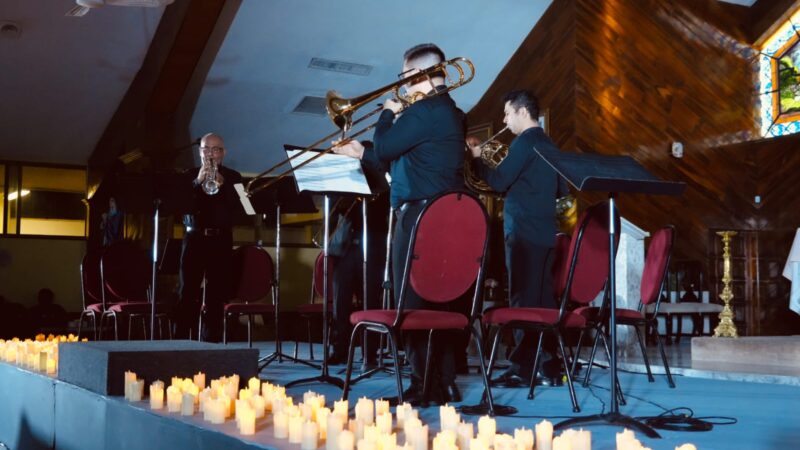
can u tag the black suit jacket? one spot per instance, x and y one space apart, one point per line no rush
424 148
214 211
530 185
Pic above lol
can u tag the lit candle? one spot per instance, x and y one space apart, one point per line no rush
487 427
466 433
387 441
444 440
401 412
384 423
334 426
624 438
173 399
544 435
364 411
449 418
364 444
137 391
582 440
280 425
41 365
322 421
199 380
504 442
157 395
346 441
187 404
686 447
254 384
247 422
310 432
562 443
259 405
216 409
357 428
176 381
340 408
477 444
523 437
296 429
130 377
245 394
381 406
417 435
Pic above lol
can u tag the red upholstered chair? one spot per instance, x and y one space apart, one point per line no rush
125 271
446 257
654 278
313 309
254 275
585 278
91 291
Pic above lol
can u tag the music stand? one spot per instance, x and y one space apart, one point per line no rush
157 193
328 174
612 174
283 198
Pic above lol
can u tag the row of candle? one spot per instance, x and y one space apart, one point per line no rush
40 354
310 422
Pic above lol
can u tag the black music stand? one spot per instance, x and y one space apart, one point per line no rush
160 193
281 198
324 179
612 174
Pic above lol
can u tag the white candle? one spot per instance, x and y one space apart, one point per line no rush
417 435
448 418
254 384
187 404
544 435
381 407
561 443
346 441
296 429
364 411
259 405
401 412
216 410
487 427
157 395
322 421
465 435
334 426
477 444
384 423
245 394
504 442
137 391
582 440
624 438
130 377
340 409
364 444
199 380
309 439
523 438
280 425
686 447
247 422
173 399
51 366
444 440
176 381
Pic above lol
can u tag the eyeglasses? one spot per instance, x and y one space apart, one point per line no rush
213 149
402 75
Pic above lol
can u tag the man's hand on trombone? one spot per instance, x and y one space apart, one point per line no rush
351 148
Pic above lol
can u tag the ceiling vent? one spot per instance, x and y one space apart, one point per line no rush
340 66
83 6
311 105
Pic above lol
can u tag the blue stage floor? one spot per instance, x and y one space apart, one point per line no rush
767 415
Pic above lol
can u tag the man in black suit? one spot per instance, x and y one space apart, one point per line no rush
424 147
208 242
529 222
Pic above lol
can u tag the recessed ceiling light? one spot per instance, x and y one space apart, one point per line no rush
10 30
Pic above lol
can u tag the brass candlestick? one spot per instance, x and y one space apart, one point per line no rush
726 327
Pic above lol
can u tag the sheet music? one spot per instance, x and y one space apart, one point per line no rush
248 207
329 173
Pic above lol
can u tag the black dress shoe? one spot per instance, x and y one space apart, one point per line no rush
451 393
509 380
412 395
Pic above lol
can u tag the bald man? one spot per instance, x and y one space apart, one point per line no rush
208 242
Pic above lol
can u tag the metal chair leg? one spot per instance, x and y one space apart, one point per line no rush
575 407
664 359
535 366
426 379
349 369
577 352
644 354
488 389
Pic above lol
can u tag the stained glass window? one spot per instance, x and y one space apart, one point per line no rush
779 79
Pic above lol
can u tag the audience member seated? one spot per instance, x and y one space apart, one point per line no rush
46 314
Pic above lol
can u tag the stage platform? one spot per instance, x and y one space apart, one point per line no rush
41 412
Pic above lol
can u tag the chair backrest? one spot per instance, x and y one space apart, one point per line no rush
656 264
589 256
126 273
253 273
317 281
560 263
447 248
91 282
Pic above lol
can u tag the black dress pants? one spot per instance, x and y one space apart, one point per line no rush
210 256
442 359
530 284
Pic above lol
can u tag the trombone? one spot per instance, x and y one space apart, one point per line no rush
340 110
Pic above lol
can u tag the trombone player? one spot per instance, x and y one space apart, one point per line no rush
529 226
423 150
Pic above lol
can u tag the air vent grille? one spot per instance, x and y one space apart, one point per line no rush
340 66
